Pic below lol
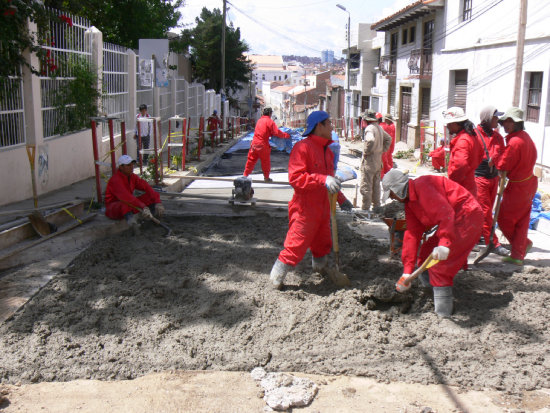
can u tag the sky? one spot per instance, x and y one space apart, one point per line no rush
299 27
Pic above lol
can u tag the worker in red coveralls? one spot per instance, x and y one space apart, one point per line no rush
310 172
518 160
387 157
486 173
259 148
120 201
214 122
432 200
466 149
438 157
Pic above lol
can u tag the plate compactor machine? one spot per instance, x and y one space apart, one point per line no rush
242 192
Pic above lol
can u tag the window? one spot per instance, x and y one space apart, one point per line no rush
425 104
412 34
263 77
374 78
467 10
459 79
286 77
404 36
534 97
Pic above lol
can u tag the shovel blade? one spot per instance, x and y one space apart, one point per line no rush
338 278
484 253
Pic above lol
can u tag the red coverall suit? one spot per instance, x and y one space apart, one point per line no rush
487 188
309 211
518 160
466 155
436 200
213 123
438 157
259 148
387 157
120 193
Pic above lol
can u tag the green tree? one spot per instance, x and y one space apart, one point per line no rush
204 45
124 22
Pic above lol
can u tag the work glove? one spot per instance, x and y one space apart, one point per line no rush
400 284
346 206
146 213
440 253
159 210
333 184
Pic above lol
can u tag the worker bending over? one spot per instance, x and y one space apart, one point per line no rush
120 201
466 149
259 148
432 200
310 172
518 160
486 174
438 157
375 142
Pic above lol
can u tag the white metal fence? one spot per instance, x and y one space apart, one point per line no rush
12 116
115 85
181 99
165 110
64 41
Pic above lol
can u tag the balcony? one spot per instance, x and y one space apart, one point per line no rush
420 63
388 64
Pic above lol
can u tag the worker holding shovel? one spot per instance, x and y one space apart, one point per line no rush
310 172
120 201
429 201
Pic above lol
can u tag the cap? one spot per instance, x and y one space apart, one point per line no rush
369 115
215 111
516 114
378 115
487 113
125 160
396 182
313 119
388 116
454 114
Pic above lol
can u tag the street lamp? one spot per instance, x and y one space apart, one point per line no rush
348 97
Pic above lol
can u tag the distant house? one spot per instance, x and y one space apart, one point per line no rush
446 53
267 68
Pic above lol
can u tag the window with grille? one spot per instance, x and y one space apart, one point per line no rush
467 10
412 34
404 36
534 97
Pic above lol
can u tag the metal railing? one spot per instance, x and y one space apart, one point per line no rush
64 41
181 99
12 116
115 98
388 65
420 62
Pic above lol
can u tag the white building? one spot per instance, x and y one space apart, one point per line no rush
446 53
267 68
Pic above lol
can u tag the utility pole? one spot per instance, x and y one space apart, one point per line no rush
223 68
348 94
519 51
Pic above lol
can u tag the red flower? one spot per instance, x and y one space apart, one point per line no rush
67 20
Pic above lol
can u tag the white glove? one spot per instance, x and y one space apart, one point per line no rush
333 184
440 253
400 285
146 213
159 210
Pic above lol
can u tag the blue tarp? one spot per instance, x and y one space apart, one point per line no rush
537 212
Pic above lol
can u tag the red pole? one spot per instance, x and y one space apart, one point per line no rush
169 141
156 152
123 137
160 149
201 137
96 160
187 134
221 130
112 147
233 128
422 137
352 128
184 142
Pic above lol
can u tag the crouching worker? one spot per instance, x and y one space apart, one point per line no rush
120 201
310 172
429 201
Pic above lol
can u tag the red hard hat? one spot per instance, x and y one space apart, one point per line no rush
378 115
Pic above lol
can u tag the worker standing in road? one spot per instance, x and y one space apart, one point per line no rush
466 149
438 157
432 200
310 172
375 142
120 201
486 174
214 122
518 160
387 157
259 148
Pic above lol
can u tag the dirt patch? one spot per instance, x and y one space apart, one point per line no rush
129 306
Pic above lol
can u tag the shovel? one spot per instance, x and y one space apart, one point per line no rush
428 263
155 220
491 246
338 278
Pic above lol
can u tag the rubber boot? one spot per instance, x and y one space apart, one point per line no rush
319 263
443 301
425 279
278 274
